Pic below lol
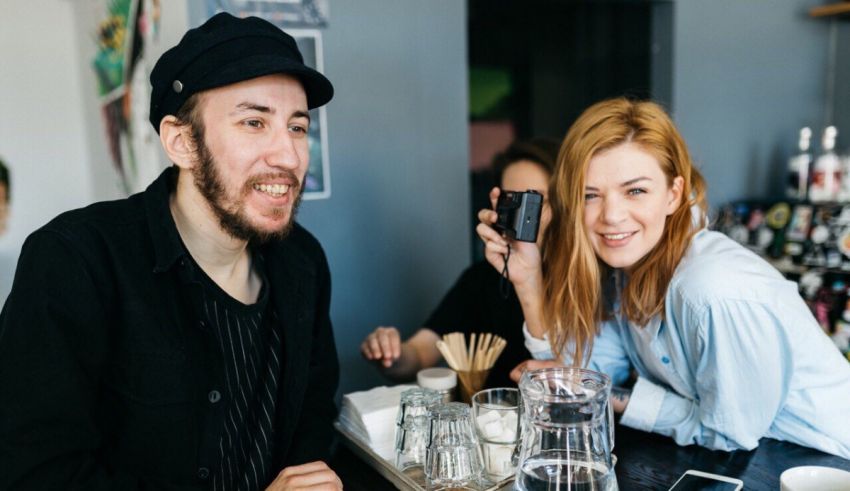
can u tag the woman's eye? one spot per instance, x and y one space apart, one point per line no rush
298 129
589 196
637 191
254 123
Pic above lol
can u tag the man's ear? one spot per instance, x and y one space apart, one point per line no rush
177 141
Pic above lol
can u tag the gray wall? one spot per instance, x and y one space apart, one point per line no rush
746 76
841 104
396 227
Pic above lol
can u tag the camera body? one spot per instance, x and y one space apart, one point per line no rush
519 214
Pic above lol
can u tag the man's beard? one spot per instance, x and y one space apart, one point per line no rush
231 216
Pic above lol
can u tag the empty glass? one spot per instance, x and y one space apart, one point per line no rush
567 433
411 435
496 416
452 457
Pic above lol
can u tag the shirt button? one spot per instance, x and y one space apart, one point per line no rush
665 360
214 396
203 473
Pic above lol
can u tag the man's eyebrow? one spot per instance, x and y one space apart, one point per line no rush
250 106
301 114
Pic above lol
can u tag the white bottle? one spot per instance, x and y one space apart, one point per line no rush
826 176
798 168
844 191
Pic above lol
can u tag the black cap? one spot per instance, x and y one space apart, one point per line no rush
226 50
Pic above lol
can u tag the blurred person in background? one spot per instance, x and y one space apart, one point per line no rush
475 303
5 197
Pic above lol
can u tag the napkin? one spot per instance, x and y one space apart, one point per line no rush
371 416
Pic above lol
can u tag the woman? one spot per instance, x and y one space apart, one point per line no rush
475 302
725 350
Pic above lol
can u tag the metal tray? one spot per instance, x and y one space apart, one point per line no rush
409 480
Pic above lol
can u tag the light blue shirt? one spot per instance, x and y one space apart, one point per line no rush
738 357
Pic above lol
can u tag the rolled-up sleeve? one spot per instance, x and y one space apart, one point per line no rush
607 355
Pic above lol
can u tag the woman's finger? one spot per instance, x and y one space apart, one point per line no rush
487 216
494 197
487 234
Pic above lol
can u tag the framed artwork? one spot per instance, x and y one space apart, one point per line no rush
282 13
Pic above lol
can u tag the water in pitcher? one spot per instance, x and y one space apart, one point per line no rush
556 474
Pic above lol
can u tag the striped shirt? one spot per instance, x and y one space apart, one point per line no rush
250 341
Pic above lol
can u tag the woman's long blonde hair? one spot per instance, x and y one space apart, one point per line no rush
573 276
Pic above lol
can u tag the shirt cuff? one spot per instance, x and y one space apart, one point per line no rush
540 349
644 405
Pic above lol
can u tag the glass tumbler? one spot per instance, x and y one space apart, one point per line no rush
452 457
412 426
496 413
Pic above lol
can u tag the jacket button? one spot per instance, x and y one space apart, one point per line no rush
203 473
214 396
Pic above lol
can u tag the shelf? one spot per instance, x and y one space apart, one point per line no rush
832 9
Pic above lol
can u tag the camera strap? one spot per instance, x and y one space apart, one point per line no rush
505 280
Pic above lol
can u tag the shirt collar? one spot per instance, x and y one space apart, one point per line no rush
168 247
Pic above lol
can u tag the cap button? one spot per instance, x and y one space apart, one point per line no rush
177 86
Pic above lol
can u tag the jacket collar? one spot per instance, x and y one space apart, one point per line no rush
168 247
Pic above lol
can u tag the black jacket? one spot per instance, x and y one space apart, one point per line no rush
106 367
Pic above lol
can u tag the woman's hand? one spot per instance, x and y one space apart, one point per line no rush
382 346
524 262
517 372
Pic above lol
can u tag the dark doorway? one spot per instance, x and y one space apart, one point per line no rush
535 65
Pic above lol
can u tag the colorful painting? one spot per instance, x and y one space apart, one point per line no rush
124 38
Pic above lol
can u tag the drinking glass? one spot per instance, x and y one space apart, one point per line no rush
497 424
412 426
452 457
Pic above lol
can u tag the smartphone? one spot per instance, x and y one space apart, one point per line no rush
703 481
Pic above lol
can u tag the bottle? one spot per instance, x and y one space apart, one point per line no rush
826 176
844 191
798 168
443 380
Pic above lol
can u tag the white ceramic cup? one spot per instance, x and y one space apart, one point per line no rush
814 478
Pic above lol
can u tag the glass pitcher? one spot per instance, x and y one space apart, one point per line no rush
567 432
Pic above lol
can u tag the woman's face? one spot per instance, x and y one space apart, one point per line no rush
627 202
523 175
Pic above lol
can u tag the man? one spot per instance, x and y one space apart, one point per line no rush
180 338
4 197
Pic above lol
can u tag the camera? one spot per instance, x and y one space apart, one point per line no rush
519 214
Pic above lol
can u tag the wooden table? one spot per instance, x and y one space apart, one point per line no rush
648 461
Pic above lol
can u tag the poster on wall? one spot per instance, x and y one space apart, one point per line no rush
128 32
282 13
292 16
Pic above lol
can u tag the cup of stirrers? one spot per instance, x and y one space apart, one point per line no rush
472 363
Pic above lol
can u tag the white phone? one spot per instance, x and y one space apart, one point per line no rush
703 481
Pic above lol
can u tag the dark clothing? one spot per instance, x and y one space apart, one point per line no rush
475 304
107 369
249 339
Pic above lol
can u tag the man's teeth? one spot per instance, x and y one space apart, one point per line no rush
275 190
617 236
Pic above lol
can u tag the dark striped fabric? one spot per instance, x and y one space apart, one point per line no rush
251 344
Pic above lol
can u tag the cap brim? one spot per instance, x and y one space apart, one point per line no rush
317 87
